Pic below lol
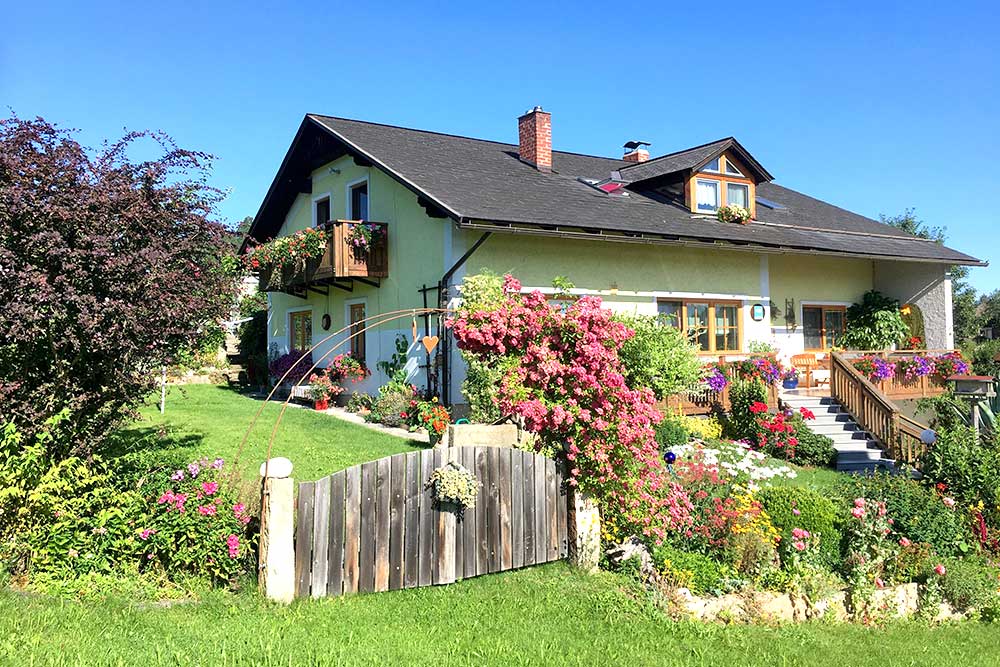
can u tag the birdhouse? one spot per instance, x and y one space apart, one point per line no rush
980 386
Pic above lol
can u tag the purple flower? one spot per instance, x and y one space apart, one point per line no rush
194 469
217 464
716 379
177 476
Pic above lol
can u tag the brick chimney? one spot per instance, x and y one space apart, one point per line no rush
534 131
638 155
635 151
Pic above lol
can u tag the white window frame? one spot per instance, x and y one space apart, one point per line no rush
738 185
348 187
735 170
713 171
718 195
317 199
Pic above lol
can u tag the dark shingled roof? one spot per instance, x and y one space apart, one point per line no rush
692 158
475 181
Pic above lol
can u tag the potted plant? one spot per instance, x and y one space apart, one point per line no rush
432 416
362 236
453 484
321 388
733 213
790 379
345 367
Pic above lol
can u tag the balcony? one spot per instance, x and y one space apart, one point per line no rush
339 266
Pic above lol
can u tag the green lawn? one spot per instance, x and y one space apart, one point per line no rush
548 615
207 420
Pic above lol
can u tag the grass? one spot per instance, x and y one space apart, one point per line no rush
545 615
208 420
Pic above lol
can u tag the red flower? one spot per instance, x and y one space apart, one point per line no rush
758 408
807 414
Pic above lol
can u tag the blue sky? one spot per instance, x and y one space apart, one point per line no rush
875 109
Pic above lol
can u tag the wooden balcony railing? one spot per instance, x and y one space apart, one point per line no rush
705 401
340 260
897 387
875 413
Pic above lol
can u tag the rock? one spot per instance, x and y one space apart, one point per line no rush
277 468
631 548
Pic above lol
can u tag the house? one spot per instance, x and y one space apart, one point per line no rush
641 232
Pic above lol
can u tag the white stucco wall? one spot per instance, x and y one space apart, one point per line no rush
926 285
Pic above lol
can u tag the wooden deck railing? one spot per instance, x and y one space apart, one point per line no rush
897 387
339 261
705 401
898 435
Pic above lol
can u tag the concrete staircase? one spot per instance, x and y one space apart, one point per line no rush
856 451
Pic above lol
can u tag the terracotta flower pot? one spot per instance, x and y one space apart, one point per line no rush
322 404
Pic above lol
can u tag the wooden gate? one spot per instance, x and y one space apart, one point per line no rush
374 527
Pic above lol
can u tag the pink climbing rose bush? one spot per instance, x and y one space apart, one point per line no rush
563 376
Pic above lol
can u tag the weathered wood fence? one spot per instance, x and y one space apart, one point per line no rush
375 527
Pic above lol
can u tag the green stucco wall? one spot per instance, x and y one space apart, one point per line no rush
818 279
602 265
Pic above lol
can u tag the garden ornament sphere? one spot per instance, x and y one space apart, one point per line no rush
669 457
279 468
928 436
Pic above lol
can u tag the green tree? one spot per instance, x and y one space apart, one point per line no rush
965 316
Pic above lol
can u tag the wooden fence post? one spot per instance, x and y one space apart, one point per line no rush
583 531
277 547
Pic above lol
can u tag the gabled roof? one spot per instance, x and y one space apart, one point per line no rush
693 159
484 185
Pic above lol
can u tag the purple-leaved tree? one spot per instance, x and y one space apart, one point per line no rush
108 268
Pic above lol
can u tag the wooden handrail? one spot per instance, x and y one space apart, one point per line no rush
875 413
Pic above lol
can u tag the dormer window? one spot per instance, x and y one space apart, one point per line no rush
713 166
732 169
738 194
708 195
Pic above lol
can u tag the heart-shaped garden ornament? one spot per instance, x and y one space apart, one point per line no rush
430 342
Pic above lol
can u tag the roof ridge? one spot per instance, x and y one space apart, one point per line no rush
676 153
454 136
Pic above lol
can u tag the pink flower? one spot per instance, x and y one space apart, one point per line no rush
144 535
939 568
233 542
858 512
206 510
879 583
800 545
903 542
209 487
948 502
800 534
796 512
859 502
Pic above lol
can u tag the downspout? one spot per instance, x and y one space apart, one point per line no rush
443 286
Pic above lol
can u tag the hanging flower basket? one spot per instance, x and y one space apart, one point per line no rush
453 484
281 259
734 214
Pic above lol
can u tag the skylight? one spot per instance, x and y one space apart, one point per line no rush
770 204
608 186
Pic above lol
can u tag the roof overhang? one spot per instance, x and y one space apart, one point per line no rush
314 145
644 238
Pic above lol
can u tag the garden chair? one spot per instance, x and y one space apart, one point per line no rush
805 364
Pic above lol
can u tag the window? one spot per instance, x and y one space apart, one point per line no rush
357 314
322 211
713 166
737 194
670 312
300 328
359 201
708 195
714 326
731 168
823 326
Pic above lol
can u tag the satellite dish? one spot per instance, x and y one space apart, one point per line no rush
928 436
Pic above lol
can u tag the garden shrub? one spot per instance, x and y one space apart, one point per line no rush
700 574
791 507
919 513
111 268
480 389
742 423
970 583
658 356
297 365
671 432
392 405
360 401
874 324
984 361
812 449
